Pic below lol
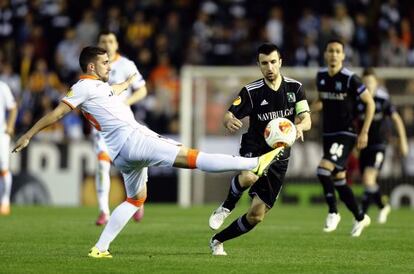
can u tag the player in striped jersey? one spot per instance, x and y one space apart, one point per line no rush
121 69
270 97
339 89
371 158
7 105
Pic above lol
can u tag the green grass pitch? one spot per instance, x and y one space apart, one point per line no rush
175 240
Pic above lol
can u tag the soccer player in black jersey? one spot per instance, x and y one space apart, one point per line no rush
371 158
338 90
270 97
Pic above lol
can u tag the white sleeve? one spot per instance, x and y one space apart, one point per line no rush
75 96
139 80
8 96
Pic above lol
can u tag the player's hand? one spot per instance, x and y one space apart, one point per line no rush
234 124
362 141
404 149
10 131
299 132
21 143
131 78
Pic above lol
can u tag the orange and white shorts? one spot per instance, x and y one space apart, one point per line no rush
144 149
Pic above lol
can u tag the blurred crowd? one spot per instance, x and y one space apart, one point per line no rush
40 41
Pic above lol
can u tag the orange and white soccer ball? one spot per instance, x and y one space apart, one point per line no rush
280 132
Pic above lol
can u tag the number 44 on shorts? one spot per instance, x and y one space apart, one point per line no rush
336 151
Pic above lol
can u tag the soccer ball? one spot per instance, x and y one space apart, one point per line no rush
280 132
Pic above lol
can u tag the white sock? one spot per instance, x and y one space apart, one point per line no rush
103 185
118 219
5 188
222 162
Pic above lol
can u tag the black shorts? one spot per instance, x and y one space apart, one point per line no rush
268 187
336 149
372 156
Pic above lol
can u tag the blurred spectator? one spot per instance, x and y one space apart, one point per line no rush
308 53
67 55
39 42
406 33
7 29
59 21
87 29
308 24
392 51
11 78
139 30
26 59
342 24
114 20
165 83
389 15
361 40
175 38
325 33
274 27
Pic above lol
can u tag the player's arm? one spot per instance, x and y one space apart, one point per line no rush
45 121
367 99
316 106
137 95
399 125
11 120
231 122
304 122
120 87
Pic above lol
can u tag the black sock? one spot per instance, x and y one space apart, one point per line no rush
324 176
235 229
235 192
366 201
376 197
347 196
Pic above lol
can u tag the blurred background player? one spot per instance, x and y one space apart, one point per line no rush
121 69
8 114
271 97
371 158
339 89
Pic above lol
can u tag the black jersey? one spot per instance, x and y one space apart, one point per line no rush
338 95
383 109
262 104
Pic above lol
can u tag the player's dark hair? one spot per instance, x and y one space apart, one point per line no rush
335 40
88 55
105 32
368 72
267 48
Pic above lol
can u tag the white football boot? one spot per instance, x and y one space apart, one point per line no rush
217 248
218 216
332 222
383 214
359 226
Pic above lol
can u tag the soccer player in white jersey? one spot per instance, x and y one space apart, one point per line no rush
7 104
131 146
121 69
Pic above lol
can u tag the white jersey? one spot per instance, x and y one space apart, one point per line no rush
106 111
121 69
6 103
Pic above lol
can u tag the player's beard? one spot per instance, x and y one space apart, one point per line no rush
271 77
104 78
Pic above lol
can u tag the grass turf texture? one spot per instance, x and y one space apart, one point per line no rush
174 240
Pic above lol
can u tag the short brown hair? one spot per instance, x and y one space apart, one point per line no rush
88 55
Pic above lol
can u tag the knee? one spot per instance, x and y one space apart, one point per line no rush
254 218
247 179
